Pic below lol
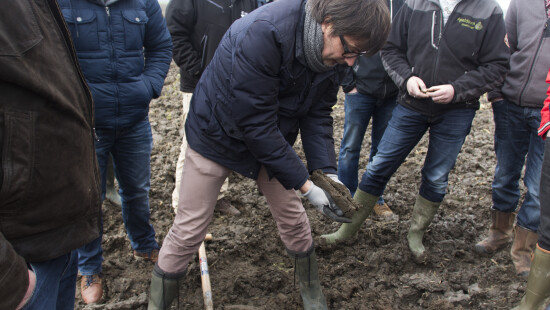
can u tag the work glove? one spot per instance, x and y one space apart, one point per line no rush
324 203
334 177
338 192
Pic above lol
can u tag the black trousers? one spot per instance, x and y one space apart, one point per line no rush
544 227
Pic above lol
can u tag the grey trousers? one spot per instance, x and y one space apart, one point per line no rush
198 192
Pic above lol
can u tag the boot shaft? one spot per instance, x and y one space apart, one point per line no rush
423 213
164 289
500 233
307 272
538 283
522 249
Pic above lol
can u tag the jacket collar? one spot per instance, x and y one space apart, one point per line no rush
300 55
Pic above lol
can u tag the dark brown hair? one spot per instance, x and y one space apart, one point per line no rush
367 22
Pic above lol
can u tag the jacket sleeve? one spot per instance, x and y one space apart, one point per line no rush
545 112
316 131
511 39
254 103
394 53
180 19
493 59
14 278
157 48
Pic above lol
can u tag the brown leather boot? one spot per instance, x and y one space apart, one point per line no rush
500 233
152 256
522 249
91 288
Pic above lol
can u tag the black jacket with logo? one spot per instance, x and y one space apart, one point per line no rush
467 52
197 27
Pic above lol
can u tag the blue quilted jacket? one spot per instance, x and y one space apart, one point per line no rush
124 50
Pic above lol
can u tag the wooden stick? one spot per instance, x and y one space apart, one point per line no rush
205 276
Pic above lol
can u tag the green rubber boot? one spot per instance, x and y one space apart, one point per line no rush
111 193
538 283
367 202
305 267
423 214
164 289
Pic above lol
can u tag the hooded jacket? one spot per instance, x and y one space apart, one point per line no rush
197 27
49 180
467 52
529 39
125 51
257 94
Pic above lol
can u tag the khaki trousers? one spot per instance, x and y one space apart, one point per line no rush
179 166
200 184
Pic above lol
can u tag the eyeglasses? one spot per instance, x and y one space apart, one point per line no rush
347 53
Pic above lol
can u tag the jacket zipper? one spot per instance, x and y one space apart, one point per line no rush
530 75
111 56
91 115
214 3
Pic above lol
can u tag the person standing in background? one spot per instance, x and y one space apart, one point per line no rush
49 180
197 27
443 55
124 50
538 281
516 109
372 95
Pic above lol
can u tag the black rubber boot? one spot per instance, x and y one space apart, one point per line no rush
164 289
305 267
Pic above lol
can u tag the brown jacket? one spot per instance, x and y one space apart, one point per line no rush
49 180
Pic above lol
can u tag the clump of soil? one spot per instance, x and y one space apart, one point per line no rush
249 267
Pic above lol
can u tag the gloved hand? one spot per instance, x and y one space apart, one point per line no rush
334 177
324 203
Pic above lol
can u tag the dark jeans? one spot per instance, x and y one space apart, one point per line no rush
359 111
55 283
517 144
131 150
405 129
544 227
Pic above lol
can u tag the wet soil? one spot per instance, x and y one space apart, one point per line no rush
249 268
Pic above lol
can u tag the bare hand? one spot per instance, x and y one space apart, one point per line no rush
442 94
416 87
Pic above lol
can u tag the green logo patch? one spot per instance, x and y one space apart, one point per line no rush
465 22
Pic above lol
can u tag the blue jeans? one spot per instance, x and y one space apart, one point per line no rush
131 150
359 110
516 144
55 283
405 129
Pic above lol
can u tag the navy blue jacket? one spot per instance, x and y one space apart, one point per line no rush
125 51
256 96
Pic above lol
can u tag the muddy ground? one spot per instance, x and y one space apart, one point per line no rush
250 269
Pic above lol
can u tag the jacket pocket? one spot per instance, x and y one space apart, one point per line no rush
84 30
17 154
14 41
134 29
